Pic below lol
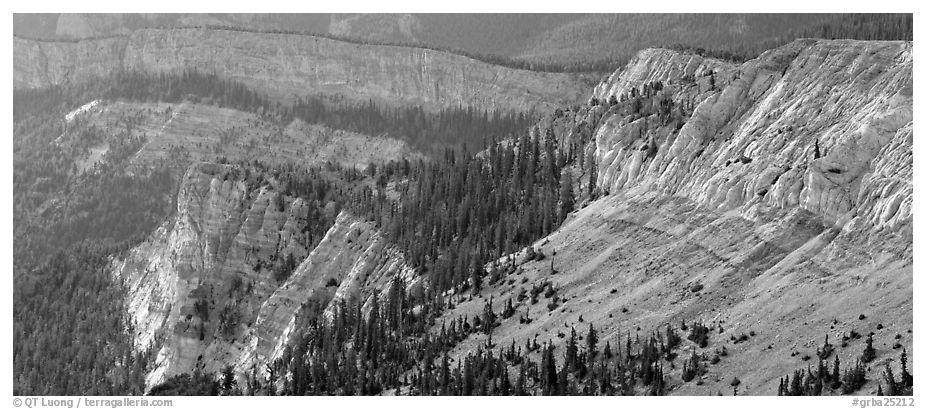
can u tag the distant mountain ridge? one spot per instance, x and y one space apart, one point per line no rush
576 41
289 66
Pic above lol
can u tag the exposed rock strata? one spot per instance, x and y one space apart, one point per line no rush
851 100
221 234
289 65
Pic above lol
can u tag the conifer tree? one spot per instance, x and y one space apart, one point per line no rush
835 383
868 354
591 341
566 196
905 377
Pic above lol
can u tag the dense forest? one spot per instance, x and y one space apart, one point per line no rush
457 213
843 26
57 203
884 26
70 330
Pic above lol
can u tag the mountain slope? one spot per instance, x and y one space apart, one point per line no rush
731 218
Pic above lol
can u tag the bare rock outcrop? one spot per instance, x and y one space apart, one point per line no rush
351 262
201 289
814 125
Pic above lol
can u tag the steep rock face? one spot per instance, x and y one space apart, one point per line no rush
201 290
195 285
658 64
351 262
814 125
287 66
731 218
43 63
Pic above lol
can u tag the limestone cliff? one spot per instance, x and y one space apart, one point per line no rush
201 289
824 126
290 65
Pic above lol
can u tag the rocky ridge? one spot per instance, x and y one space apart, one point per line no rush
192 132
286 66
200 289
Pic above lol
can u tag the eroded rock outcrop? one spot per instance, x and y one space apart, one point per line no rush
202 291
289 65
350 263
814 125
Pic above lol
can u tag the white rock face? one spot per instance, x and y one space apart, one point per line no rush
219 232
852 99
222 231
353 254
83 108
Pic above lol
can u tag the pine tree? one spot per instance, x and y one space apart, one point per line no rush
591 341
592 175
228 378
892 386
549 378
905 377
835 383
488 317
509 310
476 279
572 352
818 380
868 354
566 196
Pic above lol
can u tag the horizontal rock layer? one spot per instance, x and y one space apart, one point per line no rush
290 65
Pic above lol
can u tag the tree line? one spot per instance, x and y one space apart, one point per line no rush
858 26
